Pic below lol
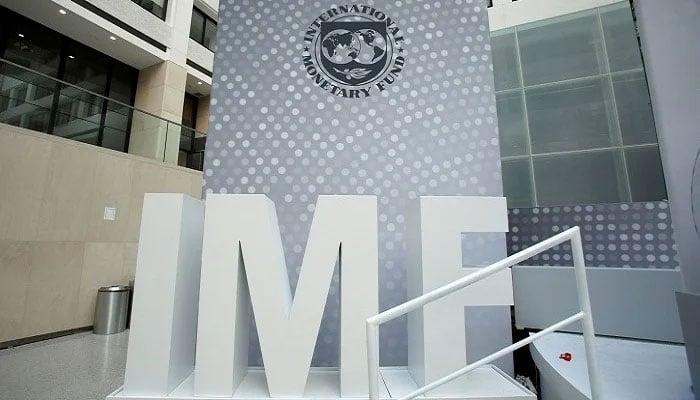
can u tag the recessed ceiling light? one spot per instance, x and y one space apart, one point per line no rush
62 12
199 82
20 34
112 38
71 57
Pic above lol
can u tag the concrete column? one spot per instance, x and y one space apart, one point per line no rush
202 123
179 18
160 91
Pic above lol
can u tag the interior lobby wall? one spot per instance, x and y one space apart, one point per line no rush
673 72
56 248
274 130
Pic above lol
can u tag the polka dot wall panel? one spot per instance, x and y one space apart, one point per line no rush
627 235
425 126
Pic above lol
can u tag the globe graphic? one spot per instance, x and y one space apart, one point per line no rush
372 46
341 46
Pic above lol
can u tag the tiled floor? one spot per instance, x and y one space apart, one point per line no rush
77 367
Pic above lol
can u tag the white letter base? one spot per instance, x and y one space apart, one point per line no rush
487 382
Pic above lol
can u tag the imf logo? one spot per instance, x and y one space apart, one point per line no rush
353 51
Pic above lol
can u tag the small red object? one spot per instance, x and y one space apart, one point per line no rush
565 356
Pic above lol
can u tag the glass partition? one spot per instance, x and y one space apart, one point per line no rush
575 118
25 99
192 145
35 101
30 44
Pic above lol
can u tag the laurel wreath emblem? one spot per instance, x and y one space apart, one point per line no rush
355 73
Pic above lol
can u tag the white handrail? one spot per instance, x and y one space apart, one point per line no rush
573 235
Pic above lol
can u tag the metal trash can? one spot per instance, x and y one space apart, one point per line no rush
111 310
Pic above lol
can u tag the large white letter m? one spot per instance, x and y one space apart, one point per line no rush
243 260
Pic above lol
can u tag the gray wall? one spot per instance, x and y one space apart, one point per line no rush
645 297
273 131
669 33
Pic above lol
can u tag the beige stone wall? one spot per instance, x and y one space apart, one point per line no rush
56 249
160 91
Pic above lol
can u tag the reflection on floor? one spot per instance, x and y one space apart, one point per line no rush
629 369
76 367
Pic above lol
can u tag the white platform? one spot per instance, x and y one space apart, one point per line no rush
629 369
487 383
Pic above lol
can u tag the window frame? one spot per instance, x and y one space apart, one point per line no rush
160 15
199 36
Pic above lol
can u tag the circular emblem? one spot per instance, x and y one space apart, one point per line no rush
353 51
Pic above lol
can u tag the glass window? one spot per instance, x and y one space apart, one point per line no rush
582 178
116 125
25 99
32 46
75 110
203 29
86 68
197 26
511 124
189 111
80 113
585 115
634 108
182 158
3 17
565 48
646 174
209 40
517 183
570 116
117 120
505 63
155 7
122 86
114 139
621 38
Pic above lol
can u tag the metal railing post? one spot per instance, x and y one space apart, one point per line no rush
587 321
373 359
